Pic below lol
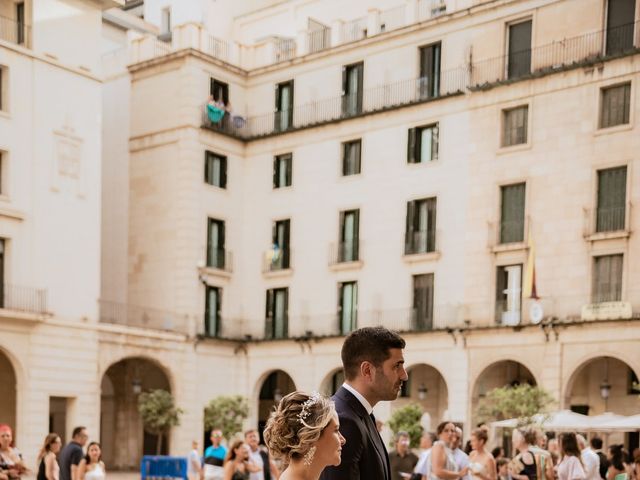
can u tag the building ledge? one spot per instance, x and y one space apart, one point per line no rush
28 318
602 236
421 257
207 273
509 247
342 266
282 273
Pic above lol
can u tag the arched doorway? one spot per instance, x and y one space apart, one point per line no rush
426 387
605 384
496 375
9 392
122 435
275 385
332 382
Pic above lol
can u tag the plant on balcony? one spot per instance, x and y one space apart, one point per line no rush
407 419
519 401
226 413
159 413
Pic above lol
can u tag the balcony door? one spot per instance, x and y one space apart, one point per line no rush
277 315
349 226
352 85
284 106
621 16
430 71
348 307
280 239
519 50
509 294
422 302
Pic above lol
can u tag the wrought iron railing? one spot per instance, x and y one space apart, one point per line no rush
276 259
220 258
144 317
14 31
318 39
607 219
354 30
344 252
555 56
23 299
420 242
375 99
392 18
431 8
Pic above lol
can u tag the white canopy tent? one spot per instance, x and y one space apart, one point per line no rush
566 420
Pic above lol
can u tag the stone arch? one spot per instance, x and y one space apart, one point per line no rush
270 388
332 381
122 435
428 388
10 381
499 374
582 390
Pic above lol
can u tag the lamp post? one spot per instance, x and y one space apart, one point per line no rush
277 395
422 391
605 386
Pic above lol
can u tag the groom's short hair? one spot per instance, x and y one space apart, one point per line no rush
370 344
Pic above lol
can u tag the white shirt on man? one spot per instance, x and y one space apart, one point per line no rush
367 406
591 463
256 459
462 461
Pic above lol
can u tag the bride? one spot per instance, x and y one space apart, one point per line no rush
304 432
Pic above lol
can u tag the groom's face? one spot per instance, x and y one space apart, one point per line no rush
389 376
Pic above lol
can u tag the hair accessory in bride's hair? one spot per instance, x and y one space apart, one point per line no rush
306 406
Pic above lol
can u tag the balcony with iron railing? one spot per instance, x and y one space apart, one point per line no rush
29 300
559 55
345 252
15 32
220 259
144 317
420 242
607 222
276 259
376 99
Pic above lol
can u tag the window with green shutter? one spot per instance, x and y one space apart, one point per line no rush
215 244
349 236
607 279
282 170
215 169
514 126
212 311
351 157
348 307
420 235
422 302
615 105
277 313
422 145
612 195
512 213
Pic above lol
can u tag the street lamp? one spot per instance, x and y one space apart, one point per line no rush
136 386
422 391
605 386
277 395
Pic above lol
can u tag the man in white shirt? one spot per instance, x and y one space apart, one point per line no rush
590 460
461 458
258 458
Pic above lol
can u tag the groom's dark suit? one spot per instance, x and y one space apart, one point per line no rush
364 456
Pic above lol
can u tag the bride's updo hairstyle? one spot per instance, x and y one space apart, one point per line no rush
296 425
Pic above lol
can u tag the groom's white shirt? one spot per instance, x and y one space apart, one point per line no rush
367 406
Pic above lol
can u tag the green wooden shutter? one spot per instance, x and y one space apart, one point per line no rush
409 241
435 139
431 224
289 172
360 70
268 324
411 146
209 242
358 155
276 172
223 172
356 235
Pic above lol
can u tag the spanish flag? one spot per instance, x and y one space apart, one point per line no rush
529 290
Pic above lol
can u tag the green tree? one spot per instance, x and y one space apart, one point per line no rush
159 413
226 413
407 419
520 401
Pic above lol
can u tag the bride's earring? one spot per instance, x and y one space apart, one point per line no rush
308 457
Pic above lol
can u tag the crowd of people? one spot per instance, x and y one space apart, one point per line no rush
54 461
536 456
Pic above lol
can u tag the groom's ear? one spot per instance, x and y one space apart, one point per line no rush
367 370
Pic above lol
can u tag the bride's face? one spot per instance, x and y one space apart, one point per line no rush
329 445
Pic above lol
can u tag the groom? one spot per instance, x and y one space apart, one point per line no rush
374 371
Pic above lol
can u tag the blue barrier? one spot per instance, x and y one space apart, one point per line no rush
162 466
